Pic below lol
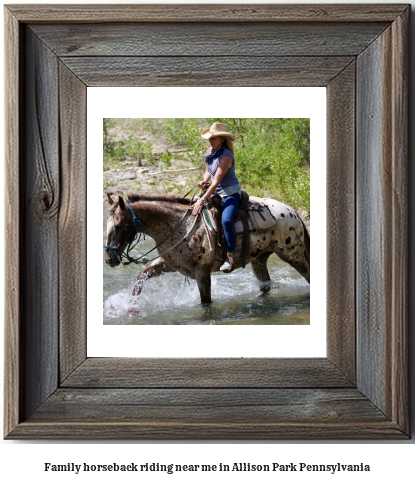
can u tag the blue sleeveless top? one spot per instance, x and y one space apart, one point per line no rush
229 179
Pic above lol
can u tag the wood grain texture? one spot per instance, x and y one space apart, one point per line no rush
206 373
205 13
341 235
13 276
373 213
40 203
229 39
400 232
209 405
382 252
254 430
72 222
375 221
198 71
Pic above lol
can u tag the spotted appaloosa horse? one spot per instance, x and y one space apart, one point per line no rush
190 249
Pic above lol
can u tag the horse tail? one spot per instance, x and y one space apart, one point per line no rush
306 242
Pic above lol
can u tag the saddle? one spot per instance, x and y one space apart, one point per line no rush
254 215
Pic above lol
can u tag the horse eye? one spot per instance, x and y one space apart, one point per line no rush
118 227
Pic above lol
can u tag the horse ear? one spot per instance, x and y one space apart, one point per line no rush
121 203
110 200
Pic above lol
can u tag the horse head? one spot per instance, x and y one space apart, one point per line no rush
119 233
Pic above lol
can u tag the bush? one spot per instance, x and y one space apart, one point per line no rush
137 150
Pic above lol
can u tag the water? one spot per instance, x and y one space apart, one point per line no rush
173 299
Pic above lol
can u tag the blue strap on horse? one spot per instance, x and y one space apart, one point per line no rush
134 225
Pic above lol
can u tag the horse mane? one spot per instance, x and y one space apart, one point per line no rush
134 197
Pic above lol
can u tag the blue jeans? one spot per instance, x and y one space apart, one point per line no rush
230 206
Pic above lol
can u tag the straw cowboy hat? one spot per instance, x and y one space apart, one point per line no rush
218 129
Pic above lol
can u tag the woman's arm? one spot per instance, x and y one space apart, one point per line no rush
206 179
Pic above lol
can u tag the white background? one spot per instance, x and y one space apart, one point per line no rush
21 463
218 341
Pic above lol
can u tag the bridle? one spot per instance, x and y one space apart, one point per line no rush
135 224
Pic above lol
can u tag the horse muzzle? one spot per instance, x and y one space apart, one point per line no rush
112 258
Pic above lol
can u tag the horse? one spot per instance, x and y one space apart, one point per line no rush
185 245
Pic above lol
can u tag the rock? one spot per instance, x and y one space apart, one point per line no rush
128 176
182 183
175 191
145 187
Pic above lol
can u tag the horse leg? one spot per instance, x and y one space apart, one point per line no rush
303 268
159 266
300 261
259 267
204 285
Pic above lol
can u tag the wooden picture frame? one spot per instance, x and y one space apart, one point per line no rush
359 391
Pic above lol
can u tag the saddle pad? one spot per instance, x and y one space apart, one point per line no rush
257 200
262 214
209 218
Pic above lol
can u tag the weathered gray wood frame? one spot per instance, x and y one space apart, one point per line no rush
359 52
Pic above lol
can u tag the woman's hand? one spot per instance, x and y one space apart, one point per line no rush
197 207
202 184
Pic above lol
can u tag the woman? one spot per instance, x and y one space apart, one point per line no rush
221 171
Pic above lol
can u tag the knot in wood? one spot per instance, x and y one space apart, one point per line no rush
45 204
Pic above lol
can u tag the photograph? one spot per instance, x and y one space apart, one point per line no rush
206 212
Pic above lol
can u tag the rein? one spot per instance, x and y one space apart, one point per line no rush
134 226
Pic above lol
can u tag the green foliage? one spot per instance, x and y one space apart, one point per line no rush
166 157
273 158
180 132
137 150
